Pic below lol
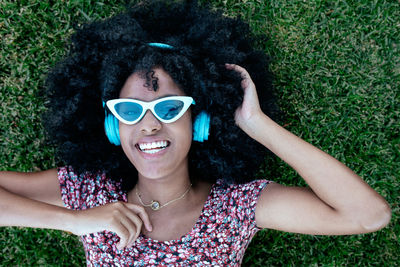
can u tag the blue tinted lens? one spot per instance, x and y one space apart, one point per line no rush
128 111
168 109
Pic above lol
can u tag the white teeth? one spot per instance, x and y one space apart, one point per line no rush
152 151
154 146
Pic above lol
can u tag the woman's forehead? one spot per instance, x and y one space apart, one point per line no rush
138 87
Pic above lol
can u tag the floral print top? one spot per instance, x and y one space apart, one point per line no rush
219 238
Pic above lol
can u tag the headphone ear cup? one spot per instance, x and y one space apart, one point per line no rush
111 129
201 127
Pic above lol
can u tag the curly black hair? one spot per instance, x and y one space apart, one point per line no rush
103 54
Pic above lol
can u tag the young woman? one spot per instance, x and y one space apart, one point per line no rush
161 128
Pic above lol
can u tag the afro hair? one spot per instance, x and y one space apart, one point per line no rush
103 54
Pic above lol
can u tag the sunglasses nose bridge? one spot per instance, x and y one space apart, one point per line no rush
149 122
149 109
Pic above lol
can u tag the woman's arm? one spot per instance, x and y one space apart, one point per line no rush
338 200
34 200
41 186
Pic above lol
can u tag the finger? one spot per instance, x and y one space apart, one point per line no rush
229 66
123 234
136 220
141 212
239 69
246 80
133 225
126 225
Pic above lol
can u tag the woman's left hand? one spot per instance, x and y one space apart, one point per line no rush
249 111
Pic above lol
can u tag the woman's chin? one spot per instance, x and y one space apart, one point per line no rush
152 173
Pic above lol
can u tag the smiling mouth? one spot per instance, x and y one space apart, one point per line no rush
153 147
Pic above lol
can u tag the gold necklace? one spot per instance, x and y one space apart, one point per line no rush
155 205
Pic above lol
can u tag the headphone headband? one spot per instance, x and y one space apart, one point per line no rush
161 45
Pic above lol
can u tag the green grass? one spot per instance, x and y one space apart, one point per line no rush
337 73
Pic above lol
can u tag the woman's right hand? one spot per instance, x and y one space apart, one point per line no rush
34 200
125 219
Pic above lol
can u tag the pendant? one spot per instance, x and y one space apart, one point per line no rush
155 205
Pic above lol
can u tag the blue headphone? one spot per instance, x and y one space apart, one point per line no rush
201 127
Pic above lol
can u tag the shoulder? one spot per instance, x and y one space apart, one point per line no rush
68 177
239 195
67 174
87 189
235 204
253 187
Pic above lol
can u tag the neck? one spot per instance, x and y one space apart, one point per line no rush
163 189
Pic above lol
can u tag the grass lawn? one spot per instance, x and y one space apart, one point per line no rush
337 73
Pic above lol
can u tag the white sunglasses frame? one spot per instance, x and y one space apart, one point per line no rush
187 101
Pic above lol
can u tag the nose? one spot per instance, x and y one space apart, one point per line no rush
149 124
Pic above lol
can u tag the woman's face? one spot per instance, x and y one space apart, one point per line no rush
150 132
